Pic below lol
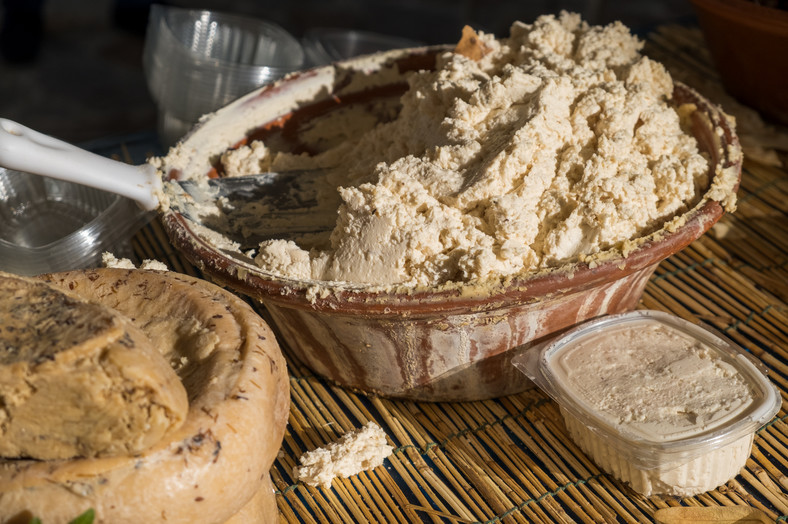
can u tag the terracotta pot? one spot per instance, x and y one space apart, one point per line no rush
749 45
450 344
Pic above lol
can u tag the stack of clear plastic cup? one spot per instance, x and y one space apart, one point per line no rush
324 45
198 61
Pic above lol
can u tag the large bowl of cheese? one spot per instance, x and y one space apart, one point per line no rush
477 199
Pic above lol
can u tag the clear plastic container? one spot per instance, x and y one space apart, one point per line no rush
665 405
324 45
197 61
49 225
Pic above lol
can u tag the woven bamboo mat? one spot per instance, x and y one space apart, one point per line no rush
510 459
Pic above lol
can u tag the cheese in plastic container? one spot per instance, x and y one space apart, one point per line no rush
665 405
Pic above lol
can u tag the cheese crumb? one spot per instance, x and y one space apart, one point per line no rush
110 260
356 451
153 265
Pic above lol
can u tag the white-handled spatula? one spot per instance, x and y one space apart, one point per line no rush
24 149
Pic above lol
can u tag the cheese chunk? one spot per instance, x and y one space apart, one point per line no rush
357 451
77 379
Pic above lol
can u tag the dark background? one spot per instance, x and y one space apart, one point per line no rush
76 73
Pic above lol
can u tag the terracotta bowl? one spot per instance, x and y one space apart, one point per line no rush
749 45
450 344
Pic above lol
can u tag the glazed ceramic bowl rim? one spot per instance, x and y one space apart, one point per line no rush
476 296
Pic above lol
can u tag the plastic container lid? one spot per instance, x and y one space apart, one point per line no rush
644 447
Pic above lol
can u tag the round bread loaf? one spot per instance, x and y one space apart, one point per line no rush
261 509
216 463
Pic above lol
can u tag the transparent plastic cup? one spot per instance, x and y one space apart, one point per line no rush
197 61
50 225
324 45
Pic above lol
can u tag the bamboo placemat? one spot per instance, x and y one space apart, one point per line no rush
510 459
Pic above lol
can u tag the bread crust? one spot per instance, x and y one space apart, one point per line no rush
261 509
213 465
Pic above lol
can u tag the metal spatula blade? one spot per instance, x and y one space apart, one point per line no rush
253 208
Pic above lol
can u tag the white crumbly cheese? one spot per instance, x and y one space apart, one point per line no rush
356 451
284 257
559 143
110 260
154 265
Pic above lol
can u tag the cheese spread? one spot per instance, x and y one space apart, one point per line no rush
662 404
556 143
654 381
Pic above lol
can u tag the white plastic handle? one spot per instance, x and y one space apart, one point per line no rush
23 149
